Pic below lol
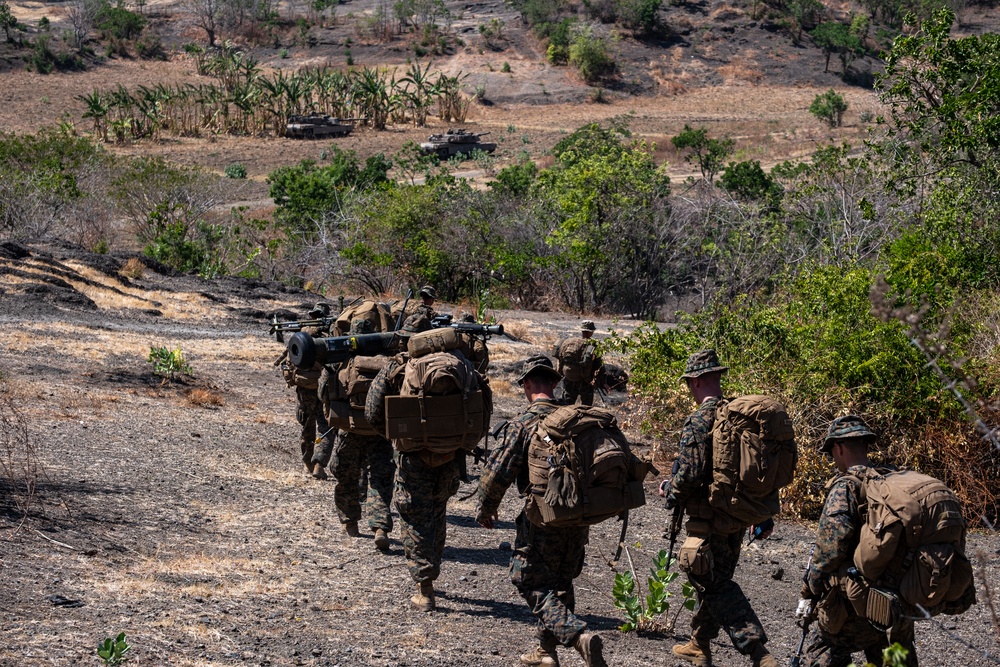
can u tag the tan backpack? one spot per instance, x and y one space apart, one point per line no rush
912 544
581 469
376 313
576 359
344 400
753 456
443 405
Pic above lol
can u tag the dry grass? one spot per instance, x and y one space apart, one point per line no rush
204 398
745 70
133 269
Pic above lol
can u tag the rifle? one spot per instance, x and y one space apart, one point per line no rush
676 519
279 328
304 350
484 330
402 311
808 616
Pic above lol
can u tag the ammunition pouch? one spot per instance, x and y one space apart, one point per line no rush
695 556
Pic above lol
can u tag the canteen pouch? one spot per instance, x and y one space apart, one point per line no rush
695 557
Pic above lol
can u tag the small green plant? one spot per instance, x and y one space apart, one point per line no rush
166 363
628 596
348 58
236 170
283 54
112 651
505 68
894 656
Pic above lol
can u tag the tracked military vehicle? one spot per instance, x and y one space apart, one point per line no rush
456 142
314 126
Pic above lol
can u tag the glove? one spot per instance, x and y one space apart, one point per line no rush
805 608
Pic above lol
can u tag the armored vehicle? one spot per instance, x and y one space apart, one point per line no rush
456 142
318 125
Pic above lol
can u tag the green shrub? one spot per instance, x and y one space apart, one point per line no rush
644 615
829 107
118 23
589 54
236 170
112 651
166 363
748 181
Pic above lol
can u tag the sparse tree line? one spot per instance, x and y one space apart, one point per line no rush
247 102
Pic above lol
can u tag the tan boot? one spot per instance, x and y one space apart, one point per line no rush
590 646
424 599
697 654
381 540
543 656
761 657
318 472
351 528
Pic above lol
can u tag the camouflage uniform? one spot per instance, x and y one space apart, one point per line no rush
309 414
837 537
420 320
722 604
546 560
571 390
381 472
350 456
424 483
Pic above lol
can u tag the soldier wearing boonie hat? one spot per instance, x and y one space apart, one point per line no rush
702 363
420 320
846 428
538 365
582 368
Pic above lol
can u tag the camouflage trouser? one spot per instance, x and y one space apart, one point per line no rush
721 602
543 567
422 494
574 389
857 634
381 471
309 414
349 459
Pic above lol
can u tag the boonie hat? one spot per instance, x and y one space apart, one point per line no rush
587 325
360 325
428 290
700 363
539 364
846 428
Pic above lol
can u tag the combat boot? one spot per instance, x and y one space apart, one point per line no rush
424 599
761 657
543 656
590 646
318 472
351 528
381 540
694 652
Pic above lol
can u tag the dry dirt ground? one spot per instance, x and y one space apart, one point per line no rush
176 512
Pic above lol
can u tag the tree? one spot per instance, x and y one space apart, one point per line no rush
806 14
81 15
207 16
7 20
833 37
709 154
829 107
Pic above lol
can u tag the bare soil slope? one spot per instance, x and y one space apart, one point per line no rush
177 513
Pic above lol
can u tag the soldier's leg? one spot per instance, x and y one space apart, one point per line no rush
723 603
381 471
414 494
305 414
445 486
543 566
323 449
347 460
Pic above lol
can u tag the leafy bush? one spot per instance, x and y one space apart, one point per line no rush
236 170
748 181
166 363
112 651
589 54
707 153
118 22
829 107
641 16
645 617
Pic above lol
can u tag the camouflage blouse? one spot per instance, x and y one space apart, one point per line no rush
694 460
837 534
508 462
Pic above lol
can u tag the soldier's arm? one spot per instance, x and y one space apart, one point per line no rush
375 402
835 534
502 468
693 452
